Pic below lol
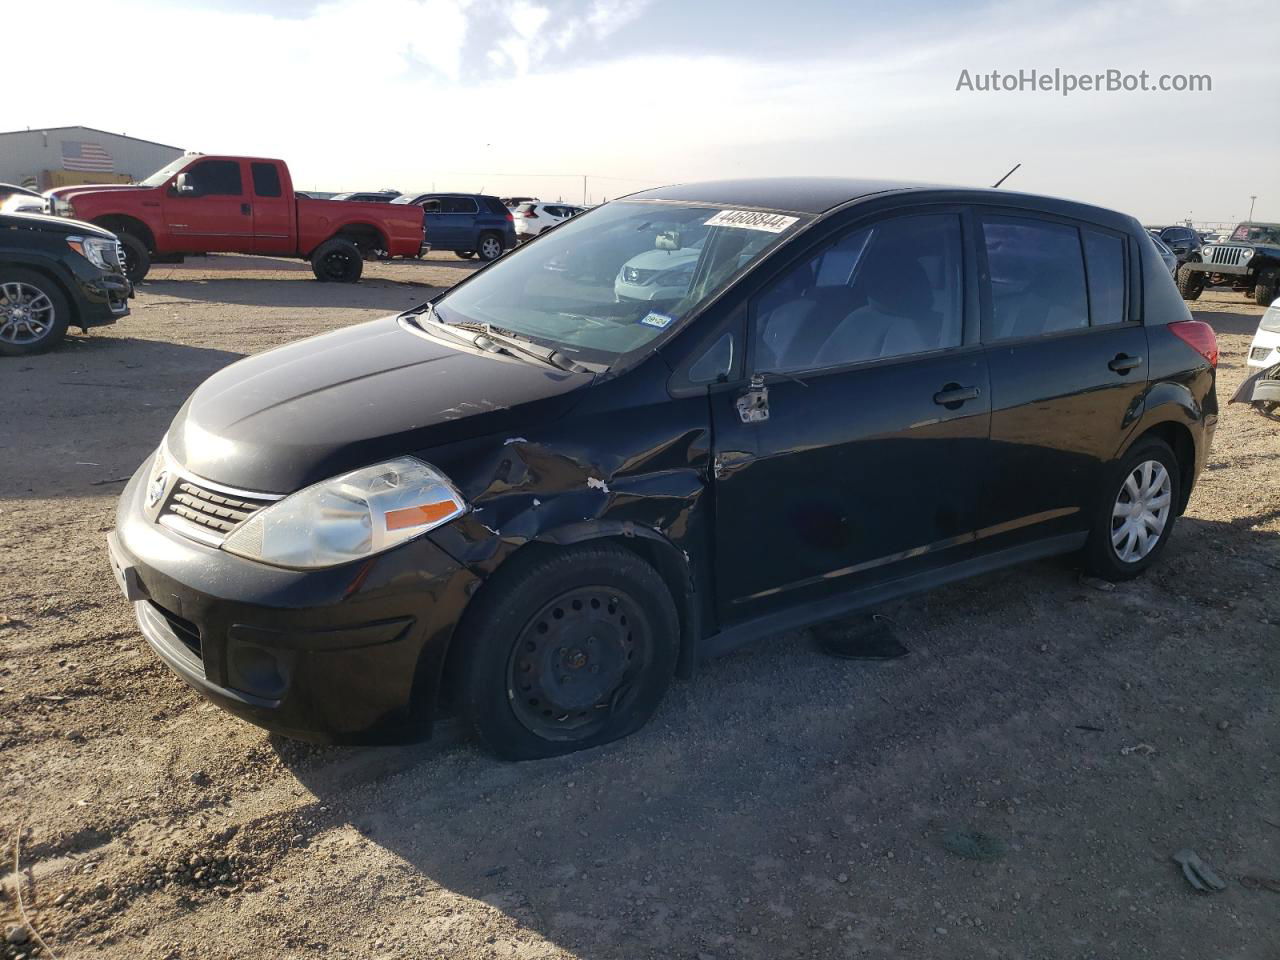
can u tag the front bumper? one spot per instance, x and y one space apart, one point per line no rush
351 654
103 299
1265 350
1226 269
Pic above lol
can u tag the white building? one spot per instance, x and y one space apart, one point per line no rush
60 156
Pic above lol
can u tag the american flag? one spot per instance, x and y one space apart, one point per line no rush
77 155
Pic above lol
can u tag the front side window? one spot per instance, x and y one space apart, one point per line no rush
1037 278
888 290
216 178
612 281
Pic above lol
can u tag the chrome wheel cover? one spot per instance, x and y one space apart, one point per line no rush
1141 511
26 313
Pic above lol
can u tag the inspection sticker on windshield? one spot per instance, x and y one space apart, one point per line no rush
752 220
659 320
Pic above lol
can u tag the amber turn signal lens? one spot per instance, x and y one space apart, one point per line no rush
418 516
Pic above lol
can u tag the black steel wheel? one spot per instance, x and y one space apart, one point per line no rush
137 258
567 649
337 261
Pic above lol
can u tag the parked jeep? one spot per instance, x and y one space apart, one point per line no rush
1249 261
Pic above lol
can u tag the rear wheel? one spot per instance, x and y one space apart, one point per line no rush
137 258
572 651
337 261
33 312
1190 282
490 247
465 254
1137 512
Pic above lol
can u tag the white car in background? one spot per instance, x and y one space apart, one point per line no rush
663 273
534 216
1265 349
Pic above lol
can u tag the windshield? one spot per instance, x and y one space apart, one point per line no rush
406 198
610 281
165 172
1258 232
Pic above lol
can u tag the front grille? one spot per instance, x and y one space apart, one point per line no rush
117 252
184 630
215 513
1260 353
1226 256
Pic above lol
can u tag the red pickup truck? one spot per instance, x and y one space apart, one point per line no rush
207 204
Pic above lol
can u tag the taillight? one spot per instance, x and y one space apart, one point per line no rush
1199 336
510 218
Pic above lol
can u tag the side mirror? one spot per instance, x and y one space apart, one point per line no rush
183 187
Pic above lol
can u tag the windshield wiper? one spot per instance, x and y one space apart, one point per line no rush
505 341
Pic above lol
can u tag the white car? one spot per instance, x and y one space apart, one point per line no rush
1265 349
531 218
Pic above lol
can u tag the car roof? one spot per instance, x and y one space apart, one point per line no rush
819 195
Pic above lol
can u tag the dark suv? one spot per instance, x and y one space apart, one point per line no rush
534 501
1183 241
466 223
56 273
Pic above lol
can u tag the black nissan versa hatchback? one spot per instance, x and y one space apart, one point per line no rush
531 501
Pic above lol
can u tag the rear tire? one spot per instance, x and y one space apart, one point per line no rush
34 312
137 258
490 247
1136 512
1190 283
567 651
337 261
465 254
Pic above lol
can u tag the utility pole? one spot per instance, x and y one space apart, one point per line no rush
1252 198
584 189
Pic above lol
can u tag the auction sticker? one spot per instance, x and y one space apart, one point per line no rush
752 220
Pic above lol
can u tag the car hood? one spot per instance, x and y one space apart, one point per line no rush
46 224
70 193
293 416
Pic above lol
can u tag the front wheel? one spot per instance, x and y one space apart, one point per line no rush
1264 291
573 650
1190 282
1137 512
33 312
490 247
137 258
337 261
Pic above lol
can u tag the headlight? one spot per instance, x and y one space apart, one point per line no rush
674 278
356 515
95 250
1246 254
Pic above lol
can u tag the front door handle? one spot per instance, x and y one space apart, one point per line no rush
952 395
244 208
1123 363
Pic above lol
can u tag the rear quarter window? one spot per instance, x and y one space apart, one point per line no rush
1037 278
1106 263
266 180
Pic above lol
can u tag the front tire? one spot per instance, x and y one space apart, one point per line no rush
1190 282
490 247
1136 513
1264 291
34 312
137 258
573 649
337 261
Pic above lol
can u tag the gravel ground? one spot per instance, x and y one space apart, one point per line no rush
781 804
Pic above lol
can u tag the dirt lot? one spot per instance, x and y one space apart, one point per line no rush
781 804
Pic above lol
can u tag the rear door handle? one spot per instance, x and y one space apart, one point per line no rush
952 395
244 208
1123 363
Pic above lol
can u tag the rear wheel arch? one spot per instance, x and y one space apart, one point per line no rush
1178 437
365 236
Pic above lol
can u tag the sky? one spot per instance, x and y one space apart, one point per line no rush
528 96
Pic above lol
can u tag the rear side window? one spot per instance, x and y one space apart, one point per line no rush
1037 278
266 180
888 290
216 178
1105 258
458 205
